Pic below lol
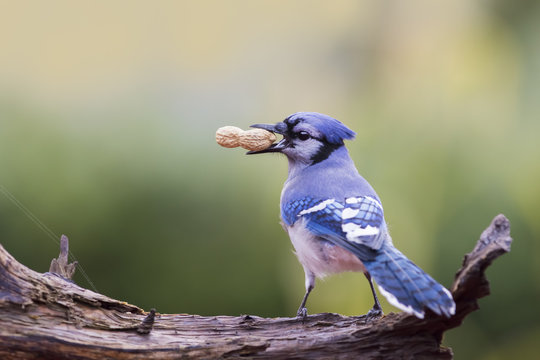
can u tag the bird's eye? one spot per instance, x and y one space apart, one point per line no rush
303 135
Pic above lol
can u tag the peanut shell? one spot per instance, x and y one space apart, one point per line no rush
227 136
256 139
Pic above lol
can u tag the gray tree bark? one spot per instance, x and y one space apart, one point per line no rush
46 316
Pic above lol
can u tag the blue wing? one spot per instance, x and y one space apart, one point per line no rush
354 223
357 224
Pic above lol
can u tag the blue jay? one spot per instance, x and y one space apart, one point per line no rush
335 219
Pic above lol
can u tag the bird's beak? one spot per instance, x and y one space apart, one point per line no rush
279 128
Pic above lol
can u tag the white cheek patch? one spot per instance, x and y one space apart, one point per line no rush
304 150
354 232
320 206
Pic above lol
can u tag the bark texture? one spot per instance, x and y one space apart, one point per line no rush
46 316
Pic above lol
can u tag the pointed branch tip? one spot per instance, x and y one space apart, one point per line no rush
61 266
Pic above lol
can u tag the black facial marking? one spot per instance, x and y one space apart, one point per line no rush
324 152
291 124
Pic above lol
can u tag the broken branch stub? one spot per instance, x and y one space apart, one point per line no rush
61 266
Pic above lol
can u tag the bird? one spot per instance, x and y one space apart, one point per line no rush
335 219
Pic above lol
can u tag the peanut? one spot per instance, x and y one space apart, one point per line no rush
253 139
227 136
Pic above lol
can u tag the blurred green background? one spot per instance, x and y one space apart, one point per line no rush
107 119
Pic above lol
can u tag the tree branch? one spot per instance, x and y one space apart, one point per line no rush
46 316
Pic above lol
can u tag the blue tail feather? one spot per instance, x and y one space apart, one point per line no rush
406 286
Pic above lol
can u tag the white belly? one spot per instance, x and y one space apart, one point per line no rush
321 257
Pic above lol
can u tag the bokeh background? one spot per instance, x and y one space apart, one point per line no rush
107 118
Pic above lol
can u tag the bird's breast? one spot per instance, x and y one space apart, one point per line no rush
319 256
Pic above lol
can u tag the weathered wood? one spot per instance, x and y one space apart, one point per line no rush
61 266
44 316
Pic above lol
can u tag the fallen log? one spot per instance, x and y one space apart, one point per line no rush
47 316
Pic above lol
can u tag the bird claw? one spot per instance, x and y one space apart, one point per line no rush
374 313
302 313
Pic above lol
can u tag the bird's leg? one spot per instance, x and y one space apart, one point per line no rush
310 284
302 311
376 310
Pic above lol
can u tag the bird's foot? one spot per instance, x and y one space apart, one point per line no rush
301 313
375 313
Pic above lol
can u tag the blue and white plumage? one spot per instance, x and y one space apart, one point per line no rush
336 221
